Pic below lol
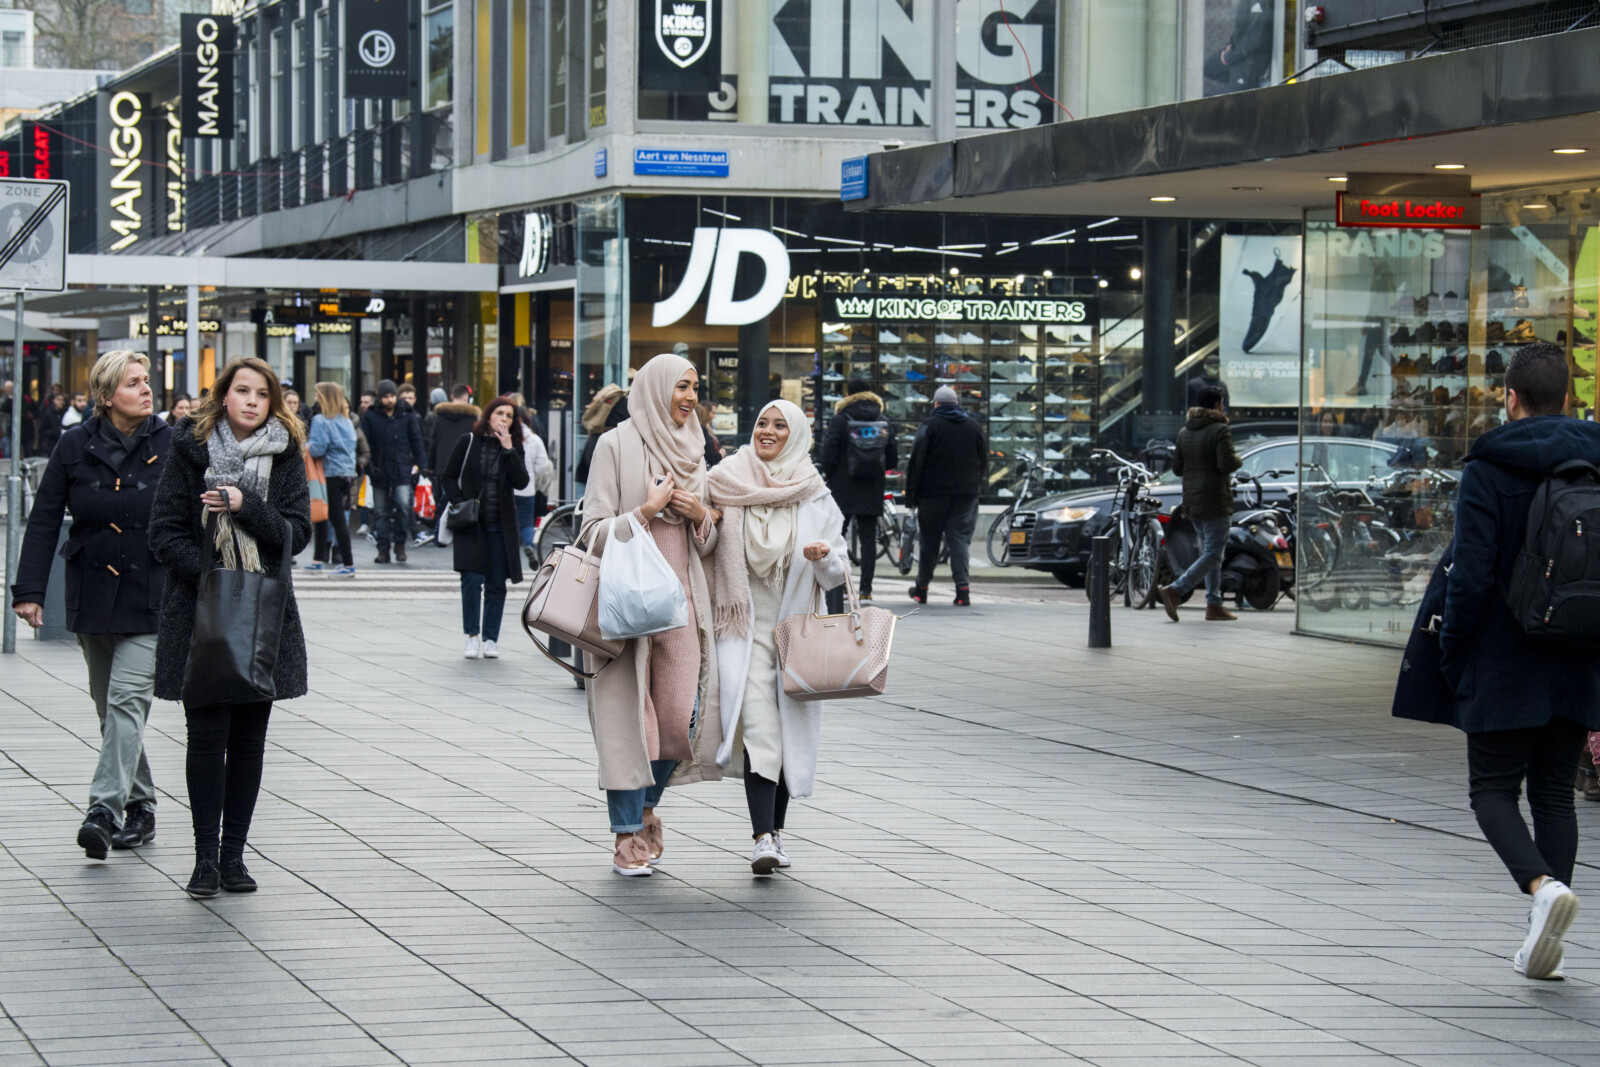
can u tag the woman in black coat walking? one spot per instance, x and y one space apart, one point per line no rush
237 461
104 472
488 466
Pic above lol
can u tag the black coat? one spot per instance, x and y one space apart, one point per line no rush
1206 459
113 584
948 458
472 547
396 444
178 539
1503 679
855 496
446 424
1422 693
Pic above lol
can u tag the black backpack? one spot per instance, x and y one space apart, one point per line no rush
1554 592
866 447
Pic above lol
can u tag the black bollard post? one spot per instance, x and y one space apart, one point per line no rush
1100 593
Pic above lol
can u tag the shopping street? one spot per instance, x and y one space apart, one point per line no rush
1210 843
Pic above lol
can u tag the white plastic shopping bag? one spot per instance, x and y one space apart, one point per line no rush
639 593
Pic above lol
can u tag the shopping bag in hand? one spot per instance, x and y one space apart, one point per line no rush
639 593
422 498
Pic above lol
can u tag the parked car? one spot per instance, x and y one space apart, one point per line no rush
1060 527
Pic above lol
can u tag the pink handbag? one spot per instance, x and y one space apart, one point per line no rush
564 603
831 657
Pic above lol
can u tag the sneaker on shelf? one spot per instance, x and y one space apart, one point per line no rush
888 337
970 338
835 338
914 337
968 376
1080 475
833 398
474 649
1054 439
915 376
998 398
1077 439
890 359
1054 362
1025 377
777 836
1055 416
833 376
916 398
1052 453
313 568
1005 494
764 857
1554 908
1054 398
943 338
915 360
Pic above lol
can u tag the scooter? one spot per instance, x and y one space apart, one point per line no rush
1257 564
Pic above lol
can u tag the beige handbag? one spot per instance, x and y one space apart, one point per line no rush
831 657
564 603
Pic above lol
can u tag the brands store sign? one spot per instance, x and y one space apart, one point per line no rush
845 308
205 76
377 49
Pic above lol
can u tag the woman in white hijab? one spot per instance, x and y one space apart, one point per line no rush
780 539
644 707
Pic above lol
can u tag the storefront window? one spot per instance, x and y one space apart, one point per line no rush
600 326
439 90
597 63
1407 335
870 64
557 67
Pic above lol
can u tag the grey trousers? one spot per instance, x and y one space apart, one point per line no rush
122 679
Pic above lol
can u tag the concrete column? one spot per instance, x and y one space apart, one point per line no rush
755 19
191 342
1161 392
944 78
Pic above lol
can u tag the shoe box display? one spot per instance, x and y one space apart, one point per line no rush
1447 385
1033 387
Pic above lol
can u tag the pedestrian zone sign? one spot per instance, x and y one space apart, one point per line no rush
33 235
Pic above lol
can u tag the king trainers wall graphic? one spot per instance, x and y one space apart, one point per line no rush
1259 333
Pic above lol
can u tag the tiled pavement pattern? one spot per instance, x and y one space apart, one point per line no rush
1209 844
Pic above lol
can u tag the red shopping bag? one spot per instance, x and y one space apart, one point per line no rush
427 509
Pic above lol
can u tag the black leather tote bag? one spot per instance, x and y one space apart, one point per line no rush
238 624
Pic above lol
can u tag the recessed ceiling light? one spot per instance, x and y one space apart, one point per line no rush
1247 188
1104 283
1135 273
1569 151
1449 166
1337 178
1162 199
1539 206
1048 273
954 271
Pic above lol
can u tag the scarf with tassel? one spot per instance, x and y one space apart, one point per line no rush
246 465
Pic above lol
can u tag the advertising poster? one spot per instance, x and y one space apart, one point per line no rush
1259 329
1239 40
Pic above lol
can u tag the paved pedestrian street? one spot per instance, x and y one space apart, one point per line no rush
1209 844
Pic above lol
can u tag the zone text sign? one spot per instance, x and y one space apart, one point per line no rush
1406 212
33 235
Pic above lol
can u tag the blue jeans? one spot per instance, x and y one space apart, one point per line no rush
626 806
1213 540
527 517
484 595
387 503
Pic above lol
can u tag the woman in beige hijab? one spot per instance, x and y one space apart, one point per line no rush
649 707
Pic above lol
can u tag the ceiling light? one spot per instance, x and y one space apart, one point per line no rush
954 271
1104 284
1449 166
1102 222
1337 178
1538 206
1162 199
1049 273
1020 279
1569 151
1135 273
1247 188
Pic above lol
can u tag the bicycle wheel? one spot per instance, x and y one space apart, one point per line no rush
559 527
1145 573
999 543
1316 558
906 548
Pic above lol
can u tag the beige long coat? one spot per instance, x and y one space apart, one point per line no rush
617 485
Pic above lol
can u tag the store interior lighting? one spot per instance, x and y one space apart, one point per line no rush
1449 166
722 214
1103 222
1135 273
1104 284
1162 199
1337 178
1569 151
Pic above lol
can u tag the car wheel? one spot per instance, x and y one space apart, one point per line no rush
1070 579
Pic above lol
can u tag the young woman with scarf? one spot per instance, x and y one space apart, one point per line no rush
237 460
647 706
781 539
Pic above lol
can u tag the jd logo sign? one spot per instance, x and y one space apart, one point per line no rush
377 48
714 254
683 30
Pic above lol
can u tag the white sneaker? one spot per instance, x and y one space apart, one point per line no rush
944 338
765 857
1055 398
491 650
888 337
1053 453
474 648
777 838
970 338
1554 908
1520 965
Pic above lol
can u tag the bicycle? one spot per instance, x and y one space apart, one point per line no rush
560 527
890 536
1136 554
999 541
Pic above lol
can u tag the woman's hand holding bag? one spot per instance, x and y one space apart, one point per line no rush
640 594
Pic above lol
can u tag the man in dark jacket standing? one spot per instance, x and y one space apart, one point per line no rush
396 443
948 461
446 424
854 464
1525 705
104 472
1206 459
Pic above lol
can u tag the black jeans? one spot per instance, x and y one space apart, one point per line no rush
338 500
866 540
768 800
1547 756
951 519
224 773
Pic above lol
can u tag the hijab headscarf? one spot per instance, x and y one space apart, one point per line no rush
669 448
758 499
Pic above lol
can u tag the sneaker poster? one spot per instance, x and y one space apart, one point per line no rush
1259 331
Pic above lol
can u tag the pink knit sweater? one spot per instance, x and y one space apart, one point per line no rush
674 655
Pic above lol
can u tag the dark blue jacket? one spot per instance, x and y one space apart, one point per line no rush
113 585
1503 679
396 444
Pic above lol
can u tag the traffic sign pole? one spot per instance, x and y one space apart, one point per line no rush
8 640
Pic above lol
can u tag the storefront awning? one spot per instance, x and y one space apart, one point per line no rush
241 272
1500 110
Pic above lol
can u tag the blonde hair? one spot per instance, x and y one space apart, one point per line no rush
330 398
108 371
211 411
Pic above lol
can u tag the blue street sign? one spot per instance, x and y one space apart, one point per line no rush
680 162
853 179
599 162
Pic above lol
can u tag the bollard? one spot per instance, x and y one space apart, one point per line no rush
1100 593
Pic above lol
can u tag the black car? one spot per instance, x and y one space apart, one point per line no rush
1060 527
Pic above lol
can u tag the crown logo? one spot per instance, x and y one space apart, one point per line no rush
855 307
683 9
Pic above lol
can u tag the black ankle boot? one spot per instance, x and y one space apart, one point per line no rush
919 593
235 878
206 881
963 596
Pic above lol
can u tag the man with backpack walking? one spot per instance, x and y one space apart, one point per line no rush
949 459
857 450
1519 637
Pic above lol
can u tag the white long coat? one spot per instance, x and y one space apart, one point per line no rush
818 519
